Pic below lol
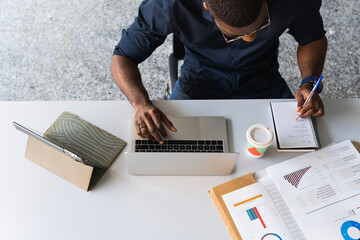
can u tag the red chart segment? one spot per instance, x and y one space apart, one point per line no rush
294 178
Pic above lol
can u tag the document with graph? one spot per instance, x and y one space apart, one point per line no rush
322 191
313 196
254 213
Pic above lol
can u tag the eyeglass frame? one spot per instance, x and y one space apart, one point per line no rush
246 35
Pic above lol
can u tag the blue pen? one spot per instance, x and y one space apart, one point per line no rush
312 93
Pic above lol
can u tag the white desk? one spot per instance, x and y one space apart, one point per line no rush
37 204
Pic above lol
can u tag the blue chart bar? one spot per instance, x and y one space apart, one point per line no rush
252 214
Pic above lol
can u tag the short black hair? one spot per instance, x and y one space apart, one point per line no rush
235 13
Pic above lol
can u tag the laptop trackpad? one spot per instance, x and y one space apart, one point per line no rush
198 128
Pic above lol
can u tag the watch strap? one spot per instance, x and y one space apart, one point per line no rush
312 79
308 79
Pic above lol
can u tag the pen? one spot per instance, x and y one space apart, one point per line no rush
311 94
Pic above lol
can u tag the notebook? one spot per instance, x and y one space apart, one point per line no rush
291 134
199 147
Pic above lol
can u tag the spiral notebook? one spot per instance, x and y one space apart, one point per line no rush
293 135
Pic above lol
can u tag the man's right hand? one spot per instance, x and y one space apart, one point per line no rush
154 120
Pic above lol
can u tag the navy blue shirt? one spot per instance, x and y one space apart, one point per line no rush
213 68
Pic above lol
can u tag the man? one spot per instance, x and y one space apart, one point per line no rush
231 52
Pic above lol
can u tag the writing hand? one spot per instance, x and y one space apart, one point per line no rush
314 107
154 121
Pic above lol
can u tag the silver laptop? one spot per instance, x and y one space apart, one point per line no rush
199 147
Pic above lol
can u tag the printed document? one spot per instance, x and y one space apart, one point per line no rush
313 196
322 189
254 213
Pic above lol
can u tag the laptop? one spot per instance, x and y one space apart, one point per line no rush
199 147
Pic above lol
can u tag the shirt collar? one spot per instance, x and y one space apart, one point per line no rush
206 13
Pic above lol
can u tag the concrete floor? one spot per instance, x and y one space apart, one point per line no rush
61 50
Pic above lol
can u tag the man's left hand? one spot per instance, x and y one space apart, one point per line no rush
314 107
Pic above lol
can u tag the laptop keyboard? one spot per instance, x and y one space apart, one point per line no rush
216 146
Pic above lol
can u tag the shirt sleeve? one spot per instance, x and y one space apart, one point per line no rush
148 31
307 25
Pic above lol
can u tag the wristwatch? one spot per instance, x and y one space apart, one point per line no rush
312 80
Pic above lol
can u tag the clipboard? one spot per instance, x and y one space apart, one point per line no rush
216 195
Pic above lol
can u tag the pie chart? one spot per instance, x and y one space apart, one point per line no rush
271 234
345 227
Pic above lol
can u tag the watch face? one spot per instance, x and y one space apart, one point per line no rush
312 80
320 87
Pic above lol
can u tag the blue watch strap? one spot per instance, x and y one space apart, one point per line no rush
308 79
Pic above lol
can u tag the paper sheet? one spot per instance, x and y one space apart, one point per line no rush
320 185
282 208
344 226
254 214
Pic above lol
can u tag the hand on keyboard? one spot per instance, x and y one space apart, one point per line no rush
154 121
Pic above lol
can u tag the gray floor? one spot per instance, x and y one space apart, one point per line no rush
61 50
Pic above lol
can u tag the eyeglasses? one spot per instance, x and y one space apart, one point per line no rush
267 23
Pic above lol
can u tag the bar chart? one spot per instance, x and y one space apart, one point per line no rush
294 178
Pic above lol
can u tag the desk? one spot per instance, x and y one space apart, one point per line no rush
37 204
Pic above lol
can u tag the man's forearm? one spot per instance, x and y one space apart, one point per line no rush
311 57
127 77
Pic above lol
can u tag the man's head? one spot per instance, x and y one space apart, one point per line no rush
238 17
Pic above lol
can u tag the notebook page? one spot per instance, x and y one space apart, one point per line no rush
292 133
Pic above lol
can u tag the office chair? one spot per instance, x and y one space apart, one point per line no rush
174 58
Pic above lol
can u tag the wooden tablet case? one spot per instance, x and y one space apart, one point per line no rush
81 138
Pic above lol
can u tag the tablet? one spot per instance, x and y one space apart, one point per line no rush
42 139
